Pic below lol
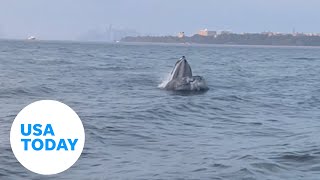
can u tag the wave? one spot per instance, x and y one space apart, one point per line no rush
304 58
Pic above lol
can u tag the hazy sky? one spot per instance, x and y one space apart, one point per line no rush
67 19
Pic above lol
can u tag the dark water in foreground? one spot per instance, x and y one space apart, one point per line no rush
259 120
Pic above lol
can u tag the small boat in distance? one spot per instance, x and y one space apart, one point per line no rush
31 38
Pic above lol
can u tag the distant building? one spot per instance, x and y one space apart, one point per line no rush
225 32
181 35
203 32
269 33
206 32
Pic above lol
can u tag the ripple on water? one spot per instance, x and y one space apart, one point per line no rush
259 119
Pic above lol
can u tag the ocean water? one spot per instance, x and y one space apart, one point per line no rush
259 120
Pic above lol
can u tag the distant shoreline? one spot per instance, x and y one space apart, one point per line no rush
232 39
159 43
213 45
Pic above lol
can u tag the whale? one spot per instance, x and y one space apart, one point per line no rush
181 78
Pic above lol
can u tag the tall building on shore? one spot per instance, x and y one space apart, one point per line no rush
181 35
206 32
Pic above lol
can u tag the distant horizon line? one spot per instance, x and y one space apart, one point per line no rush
170 44
218 32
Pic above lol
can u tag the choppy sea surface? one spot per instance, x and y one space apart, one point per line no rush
259 120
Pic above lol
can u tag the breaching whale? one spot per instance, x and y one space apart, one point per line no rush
181 78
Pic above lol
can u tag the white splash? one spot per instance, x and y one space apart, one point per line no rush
165 81
168 78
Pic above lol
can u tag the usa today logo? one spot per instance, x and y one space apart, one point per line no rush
47 137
